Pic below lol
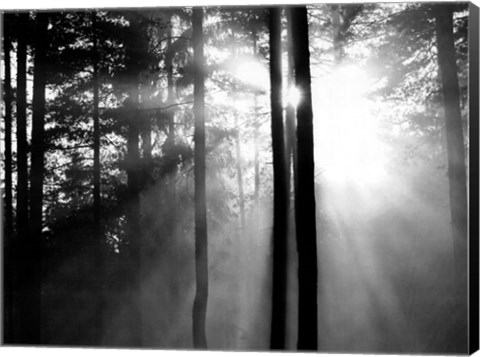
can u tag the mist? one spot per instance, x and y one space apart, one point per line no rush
146 119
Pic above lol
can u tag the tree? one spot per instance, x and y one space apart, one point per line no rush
455 153
132 113
34 249
305 218
280 193
22 146
201 240
8 205
20 269
7 85
96 133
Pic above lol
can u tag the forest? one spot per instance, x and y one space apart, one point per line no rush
243 178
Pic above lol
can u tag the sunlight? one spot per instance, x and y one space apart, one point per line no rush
348 147
292 96
251 72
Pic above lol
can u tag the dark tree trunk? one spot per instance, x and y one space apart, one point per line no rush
146 134
290 120
96 136
34 250
280 193
305 218
22 146
18 259
133 209
97 204
134 231
172 177
8 219
456 155
201 241
7 47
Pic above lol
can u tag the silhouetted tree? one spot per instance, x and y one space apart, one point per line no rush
280 194
7 90
305 218
8 204
201 240
96 132
22 146
455 154
21 333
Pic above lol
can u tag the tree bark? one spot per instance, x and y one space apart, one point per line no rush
8 99
22 146
280 193
134 231
305 218
8 130
256 163
98 243
133 209
19 265
34 250
172 177
455 154
238 154
201 240
290 120
96 135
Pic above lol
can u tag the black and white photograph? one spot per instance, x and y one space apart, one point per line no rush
257 178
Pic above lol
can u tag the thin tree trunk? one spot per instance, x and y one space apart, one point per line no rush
96 135
256 163
34 249
22 147
337 34
280 195
238 159
133 210
145 132
97 204
172 178
201 241
8 98
305 218
455 153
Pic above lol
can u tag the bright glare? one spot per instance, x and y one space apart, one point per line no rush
251 72
292 96
348 147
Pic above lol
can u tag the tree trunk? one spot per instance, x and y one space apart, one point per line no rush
305 218
97 204
290 120
22 146
201 241
172 177
8 131
456 156
337 34
21 332
133 210
280 193
34 249
8 98
256 163
96 135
